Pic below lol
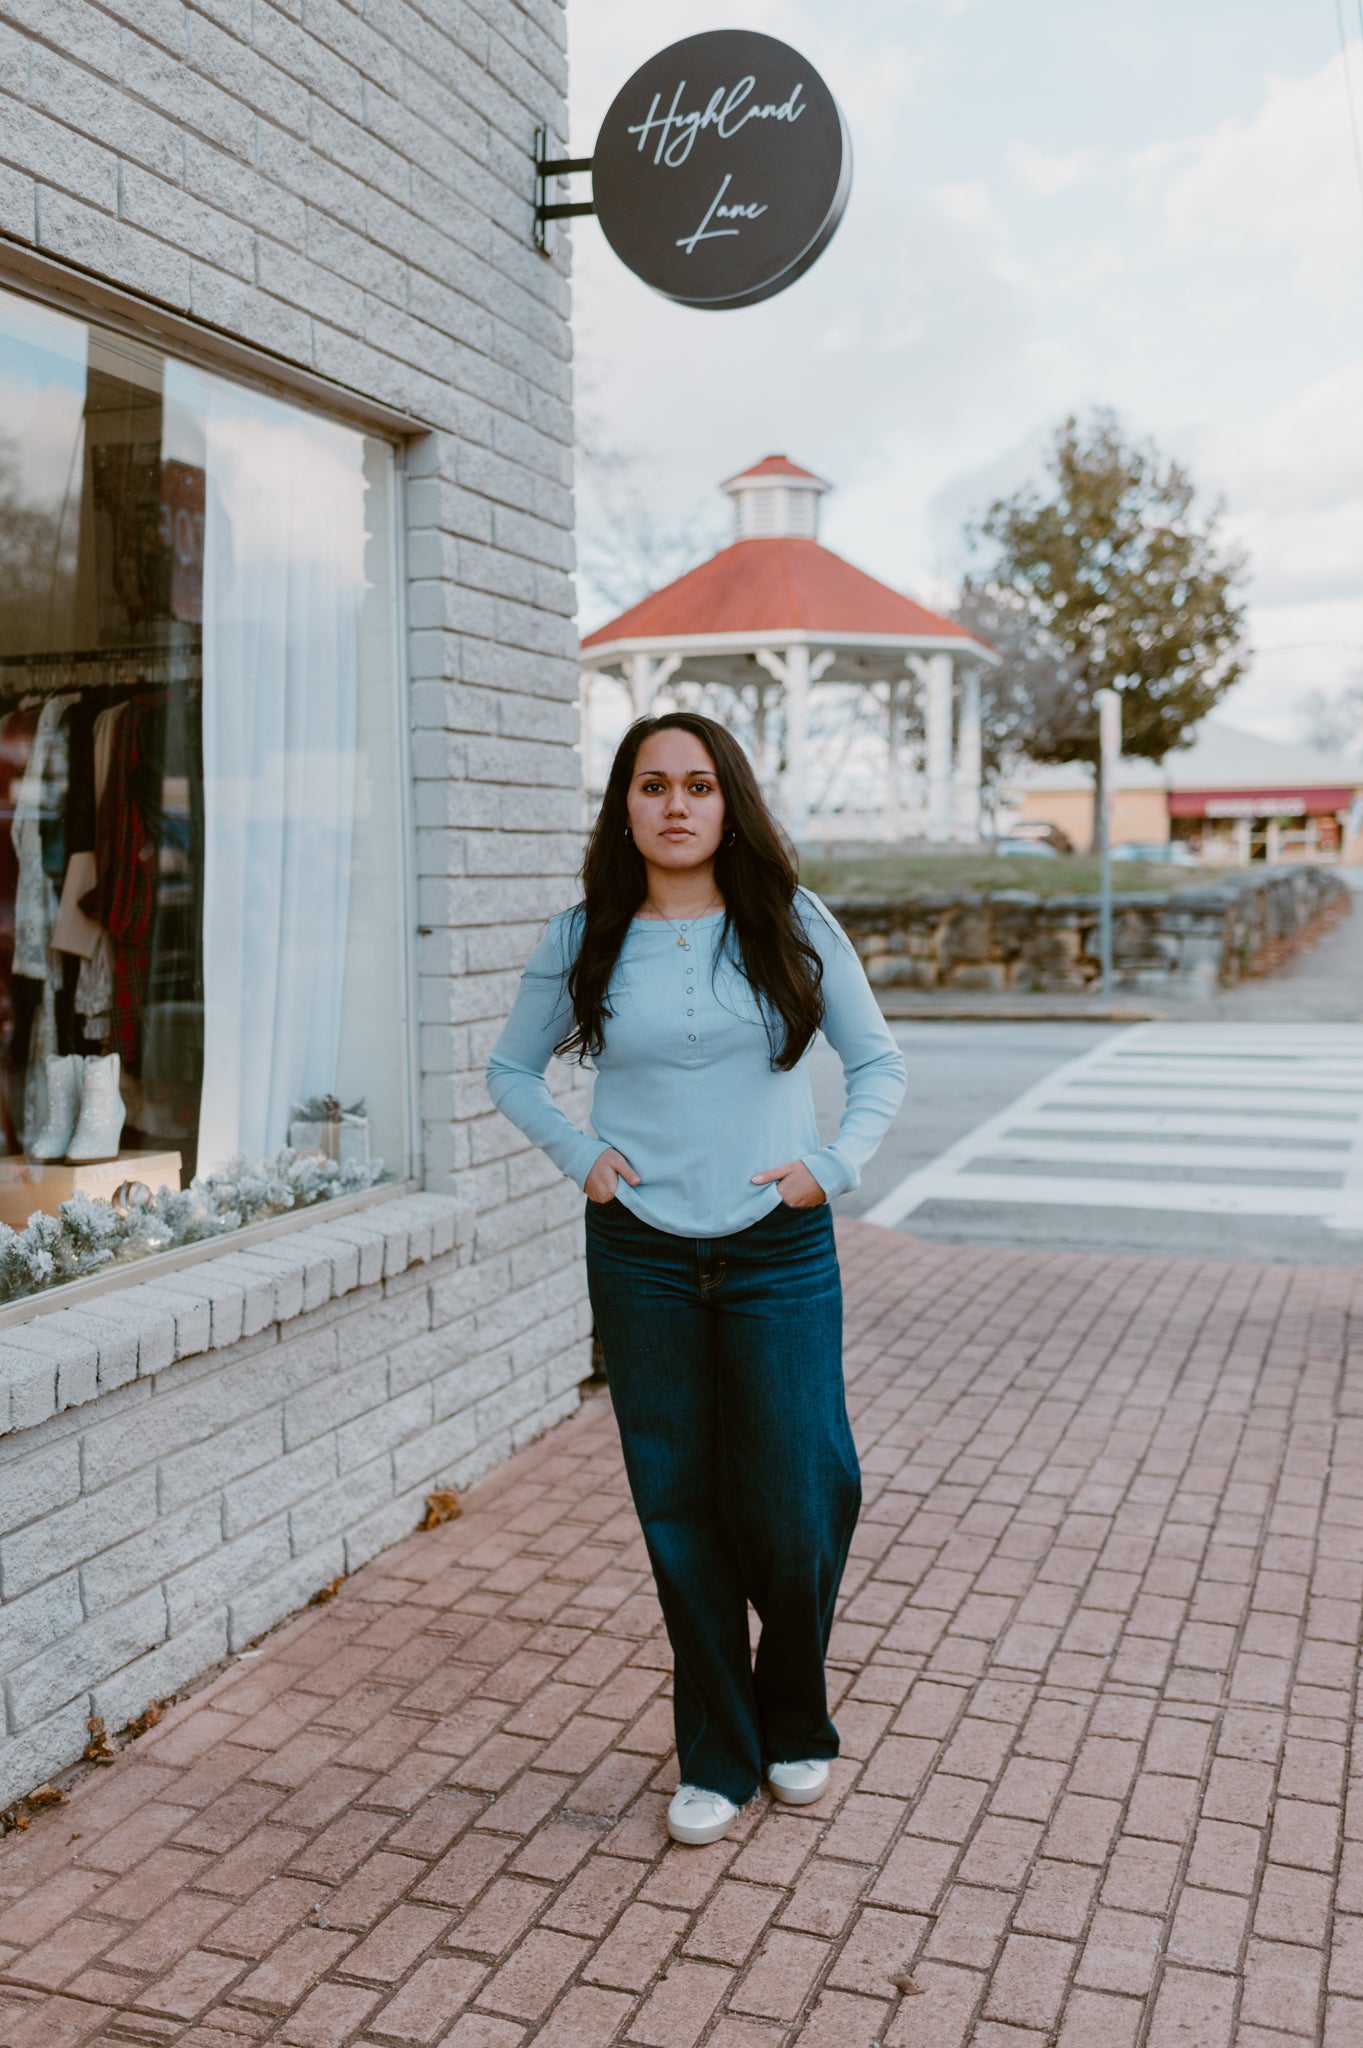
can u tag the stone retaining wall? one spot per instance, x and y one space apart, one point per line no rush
187 1460
1185 941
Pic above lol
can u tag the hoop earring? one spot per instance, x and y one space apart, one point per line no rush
629 833
730 836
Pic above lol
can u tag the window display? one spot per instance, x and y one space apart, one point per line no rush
201 906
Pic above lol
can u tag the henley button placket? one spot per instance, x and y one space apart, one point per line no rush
691 1037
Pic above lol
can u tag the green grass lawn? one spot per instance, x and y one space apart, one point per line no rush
892 875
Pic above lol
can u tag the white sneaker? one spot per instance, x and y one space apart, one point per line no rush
698 1816
799 1784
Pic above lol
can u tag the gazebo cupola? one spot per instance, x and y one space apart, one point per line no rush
775 615
774 499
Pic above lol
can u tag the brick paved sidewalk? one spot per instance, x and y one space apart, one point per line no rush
1096 1666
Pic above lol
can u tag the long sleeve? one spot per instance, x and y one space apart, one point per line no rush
872 1064
520 1059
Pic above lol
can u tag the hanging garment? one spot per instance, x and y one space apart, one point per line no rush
95 988
172 1024
73 931
125 856
41 794
16 744
41 1048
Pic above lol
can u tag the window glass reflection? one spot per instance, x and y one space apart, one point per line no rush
201 928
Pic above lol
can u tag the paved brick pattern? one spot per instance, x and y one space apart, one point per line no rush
1096 1667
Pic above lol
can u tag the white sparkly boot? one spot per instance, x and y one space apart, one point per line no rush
63 1077
101 1112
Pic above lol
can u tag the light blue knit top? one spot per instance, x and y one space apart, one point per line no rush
685 1086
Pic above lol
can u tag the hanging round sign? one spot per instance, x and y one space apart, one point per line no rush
722 169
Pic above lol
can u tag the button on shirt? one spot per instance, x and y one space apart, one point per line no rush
685 1088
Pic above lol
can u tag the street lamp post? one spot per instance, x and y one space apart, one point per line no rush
1109 751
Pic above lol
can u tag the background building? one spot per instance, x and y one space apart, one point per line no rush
289 688
1229 797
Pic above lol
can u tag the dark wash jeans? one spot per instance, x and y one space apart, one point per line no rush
724 1357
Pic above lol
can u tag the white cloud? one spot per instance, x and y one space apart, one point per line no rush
1293 480
1045 174
1284 181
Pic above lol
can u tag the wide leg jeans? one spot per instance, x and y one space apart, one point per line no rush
724 1358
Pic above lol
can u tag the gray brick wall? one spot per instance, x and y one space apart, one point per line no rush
214 1469
346 185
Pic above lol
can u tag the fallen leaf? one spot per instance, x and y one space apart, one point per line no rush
441 1506
47 1795
902 1981
97 1750
325 1593
140 1723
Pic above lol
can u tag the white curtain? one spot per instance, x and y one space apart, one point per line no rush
283 580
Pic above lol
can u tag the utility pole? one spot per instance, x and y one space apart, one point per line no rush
1109 753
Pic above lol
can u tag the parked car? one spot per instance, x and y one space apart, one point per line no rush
1043 832
1168 853
1013 848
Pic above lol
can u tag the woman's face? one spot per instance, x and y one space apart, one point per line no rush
676 808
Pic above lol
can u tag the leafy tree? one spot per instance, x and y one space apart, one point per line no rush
1111 579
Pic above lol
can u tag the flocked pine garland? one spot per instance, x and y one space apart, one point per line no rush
86 1235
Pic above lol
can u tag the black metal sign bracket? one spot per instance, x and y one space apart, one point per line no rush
547 167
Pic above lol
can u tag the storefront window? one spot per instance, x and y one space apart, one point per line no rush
201 916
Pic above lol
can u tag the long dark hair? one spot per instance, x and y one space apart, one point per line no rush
753 872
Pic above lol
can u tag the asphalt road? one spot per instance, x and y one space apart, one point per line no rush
963 1075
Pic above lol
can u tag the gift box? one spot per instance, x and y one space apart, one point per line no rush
342 1136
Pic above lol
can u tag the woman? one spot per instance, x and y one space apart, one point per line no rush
695 975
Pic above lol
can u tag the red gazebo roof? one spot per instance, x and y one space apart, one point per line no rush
785 584
774 465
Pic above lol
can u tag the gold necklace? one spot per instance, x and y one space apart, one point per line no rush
715 903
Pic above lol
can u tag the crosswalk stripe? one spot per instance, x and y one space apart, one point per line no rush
1290 1100
1332 1158
1208 1198
1186 1123
1315 1101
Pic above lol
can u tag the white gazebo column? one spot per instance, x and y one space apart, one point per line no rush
891 820
640 679
797 741
937 720
761 752
792 671
645 676
969 755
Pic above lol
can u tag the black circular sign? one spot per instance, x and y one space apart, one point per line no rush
722 169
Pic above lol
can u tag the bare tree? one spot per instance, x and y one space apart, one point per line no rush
1333 719
1027 699
628 544
37 561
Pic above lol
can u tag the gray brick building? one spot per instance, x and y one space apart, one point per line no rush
272 242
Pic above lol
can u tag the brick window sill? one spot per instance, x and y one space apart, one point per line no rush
62 1355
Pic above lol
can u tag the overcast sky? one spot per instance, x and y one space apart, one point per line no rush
1055 204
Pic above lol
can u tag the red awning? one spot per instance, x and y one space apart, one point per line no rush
1258 803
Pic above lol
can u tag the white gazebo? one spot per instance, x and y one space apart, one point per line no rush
774 616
